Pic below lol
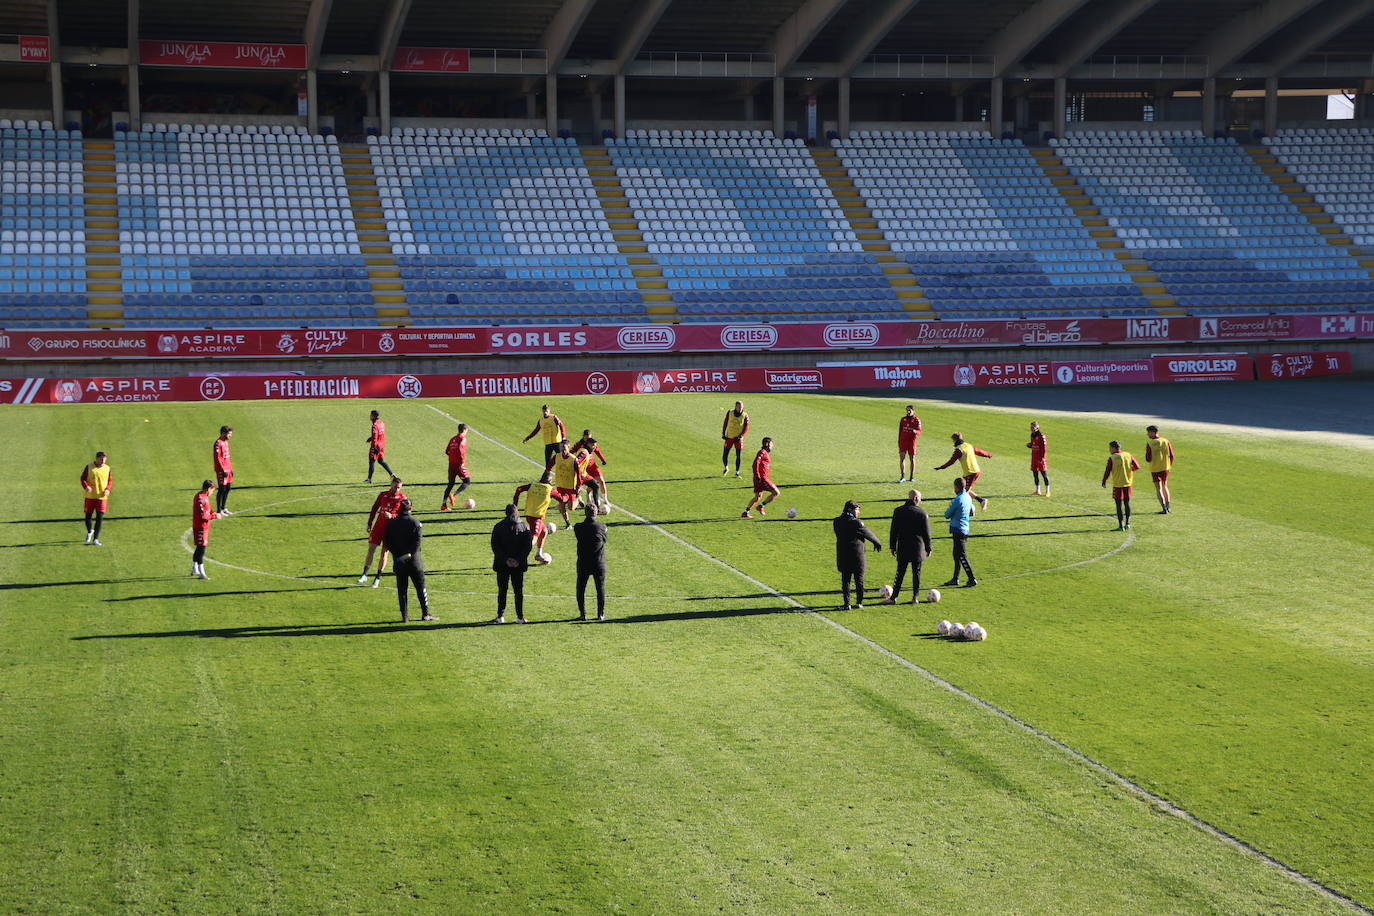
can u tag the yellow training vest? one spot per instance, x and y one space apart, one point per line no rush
1159 454
565 472
1122 475
734 425
548 426
99 480
537 500
967 460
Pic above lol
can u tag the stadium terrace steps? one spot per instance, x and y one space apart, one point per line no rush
1214 226
986 229
744 226
383 275
502 225
648 276
104 288
1091 218
860 217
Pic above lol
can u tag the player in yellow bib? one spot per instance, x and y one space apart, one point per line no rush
549 428
567 478
1159 458
538 495
96 483
732 430
1121 468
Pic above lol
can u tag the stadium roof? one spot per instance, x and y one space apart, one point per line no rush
1022 38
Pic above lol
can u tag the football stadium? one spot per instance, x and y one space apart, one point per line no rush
449 456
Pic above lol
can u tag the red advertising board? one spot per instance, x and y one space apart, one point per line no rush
221 54
1203 367
431 60
34 49
1302 365
250 387
259 343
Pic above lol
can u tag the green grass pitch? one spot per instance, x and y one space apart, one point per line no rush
274 739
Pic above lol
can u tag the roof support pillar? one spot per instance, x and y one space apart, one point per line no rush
619 84
778 103
135 103
843 119
1271 105
384 102
312 101
1061 102
59 118
995 119
1209 106
551 103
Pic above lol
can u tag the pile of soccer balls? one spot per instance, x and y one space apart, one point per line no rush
971 631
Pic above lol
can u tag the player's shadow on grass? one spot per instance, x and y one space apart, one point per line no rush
183 596
76 520
24 585
385 627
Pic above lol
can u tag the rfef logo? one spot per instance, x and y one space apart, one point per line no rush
598 383
861 334
212 388
748 336
646 338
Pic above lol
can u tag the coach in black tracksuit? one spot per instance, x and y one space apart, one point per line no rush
402 538
850 535
511 543
591 562
909 541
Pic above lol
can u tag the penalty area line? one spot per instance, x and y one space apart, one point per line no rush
1130 786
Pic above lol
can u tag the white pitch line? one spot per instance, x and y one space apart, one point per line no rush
1124 782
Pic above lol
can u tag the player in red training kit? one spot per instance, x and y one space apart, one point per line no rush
224 470
1039 469
384 509
908 429
376 447
591 473
457 452
201 517
762 462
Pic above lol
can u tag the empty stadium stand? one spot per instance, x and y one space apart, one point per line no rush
244 225
1210 224
499 225
1337 168
983 228
42 226
743 224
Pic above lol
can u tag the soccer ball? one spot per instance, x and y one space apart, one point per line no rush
791 511
603 509
956 630
544 557
469 503
979 634
884 592
933 595
944 627
550 527
971 631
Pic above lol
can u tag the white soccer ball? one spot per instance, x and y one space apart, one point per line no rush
550 527
933 595
956 630
469 503
544 557
604 509
943 627
791 511
970 628
979 634
884 592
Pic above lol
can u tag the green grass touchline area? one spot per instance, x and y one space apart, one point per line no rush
275 739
